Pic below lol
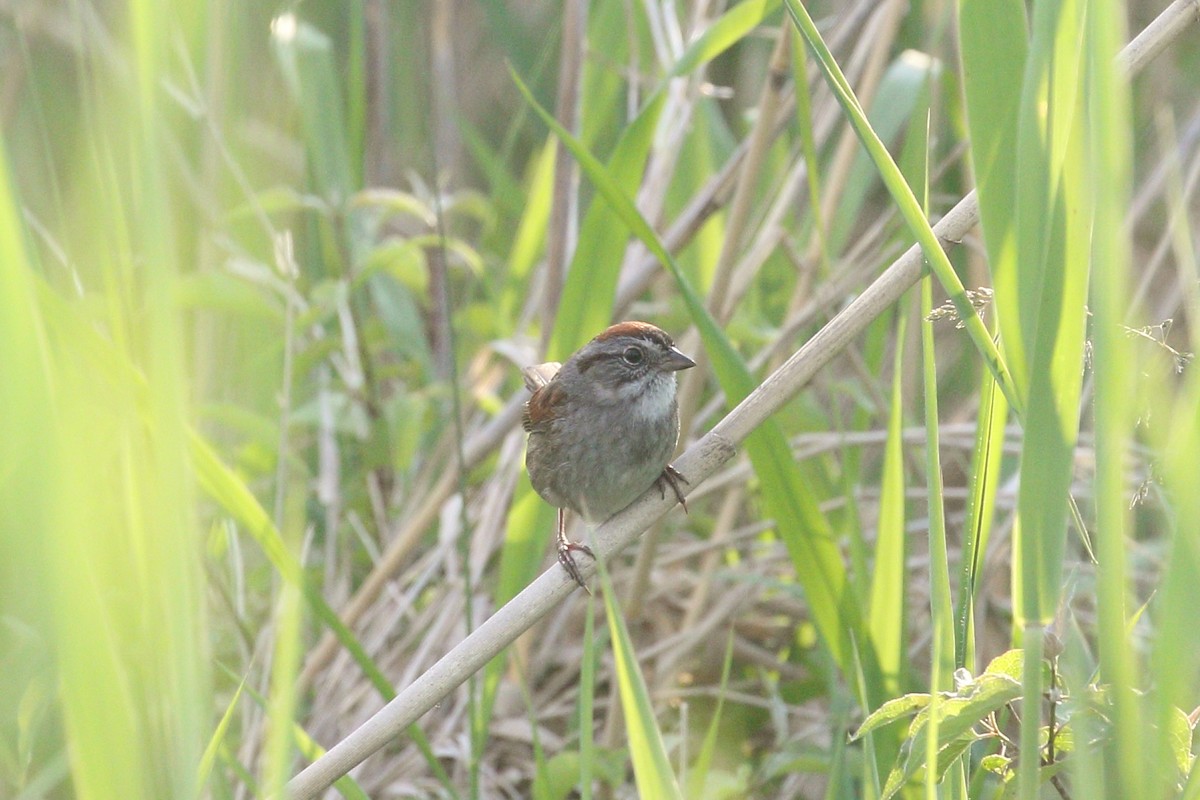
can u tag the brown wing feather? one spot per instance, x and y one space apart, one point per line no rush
540 406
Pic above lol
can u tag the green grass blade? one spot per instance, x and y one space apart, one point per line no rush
941 609
216 740
530 238
698 772
305 56
1109 171
236 498
733 26
993 45
651 766
888 584
282 698
901 98
986 461
505 191
1040 305
808 146
587 700
107 574
305 745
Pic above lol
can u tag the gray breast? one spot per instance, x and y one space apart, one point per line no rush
606 473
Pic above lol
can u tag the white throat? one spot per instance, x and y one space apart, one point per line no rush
653 402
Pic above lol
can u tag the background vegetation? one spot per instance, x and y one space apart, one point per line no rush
267 277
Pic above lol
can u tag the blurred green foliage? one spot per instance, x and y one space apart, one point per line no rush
267 275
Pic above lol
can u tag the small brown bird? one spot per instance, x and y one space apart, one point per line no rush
603 426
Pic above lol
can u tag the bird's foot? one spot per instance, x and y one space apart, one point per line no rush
567 560
672 477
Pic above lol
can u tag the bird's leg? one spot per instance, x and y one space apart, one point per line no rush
671 477
564 551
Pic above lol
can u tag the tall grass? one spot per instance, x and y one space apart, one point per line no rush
266 281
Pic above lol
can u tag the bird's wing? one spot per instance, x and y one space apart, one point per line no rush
539 375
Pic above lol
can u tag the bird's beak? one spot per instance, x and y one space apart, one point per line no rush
677 361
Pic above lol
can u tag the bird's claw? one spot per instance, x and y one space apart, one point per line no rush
568 561
671 477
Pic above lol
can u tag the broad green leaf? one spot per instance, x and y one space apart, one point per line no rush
993 45
1040 299
891 711
1010 663
1041 296
1179 734
957 715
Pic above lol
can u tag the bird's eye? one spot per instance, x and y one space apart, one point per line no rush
633 356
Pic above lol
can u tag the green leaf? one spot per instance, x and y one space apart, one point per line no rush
204 768
997 764
891 711
530 238
957 716
698 775
888 584
305 56
402 260
902 98
993 46
1041 296
1010 663
394 201
651 767
1179 734
727 31
986 461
